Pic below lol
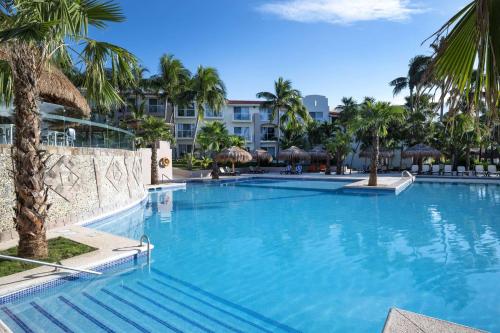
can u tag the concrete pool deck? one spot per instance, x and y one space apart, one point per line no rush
110 248
402 321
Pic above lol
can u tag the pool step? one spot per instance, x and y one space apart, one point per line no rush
159 303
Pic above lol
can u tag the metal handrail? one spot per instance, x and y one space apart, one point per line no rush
148 243
43 263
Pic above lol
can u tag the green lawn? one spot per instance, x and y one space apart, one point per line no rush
59 248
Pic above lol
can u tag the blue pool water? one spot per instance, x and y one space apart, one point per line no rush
289 256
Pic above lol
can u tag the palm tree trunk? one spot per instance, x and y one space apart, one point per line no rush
154 164
328 170
215 170
29 162
279 136
467 157
411 99
339 164
401 148
166 108
374 163
194 142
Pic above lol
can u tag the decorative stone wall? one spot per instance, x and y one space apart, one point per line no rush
83 182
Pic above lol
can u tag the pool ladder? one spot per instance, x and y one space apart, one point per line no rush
148 243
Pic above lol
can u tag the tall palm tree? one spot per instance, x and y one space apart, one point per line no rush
470 40
38 36
415 79
375 118
283 98
206 89
152 130
173 79
296 115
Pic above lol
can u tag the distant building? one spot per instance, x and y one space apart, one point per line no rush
318 107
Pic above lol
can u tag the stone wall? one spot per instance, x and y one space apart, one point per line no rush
83 182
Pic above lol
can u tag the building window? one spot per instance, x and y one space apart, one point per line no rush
244 132
186 111
318 116
155 106
183 149
241 113
185 130
265 114
210 113
267 134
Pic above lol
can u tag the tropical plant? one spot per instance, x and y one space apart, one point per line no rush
296 115
152 130
375 118
283 98
339 146
470 40
206 89
414 80
172 81
212 138
237 141
292 136
36 37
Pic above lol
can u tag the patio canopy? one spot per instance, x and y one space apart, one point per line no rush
319 154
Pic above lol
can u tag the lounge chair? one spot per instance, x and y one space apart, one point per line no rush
414 169
479 170
461 170
426 168
298 170
287 171
230 172
222 172
256 170
492 170
436 169
448 170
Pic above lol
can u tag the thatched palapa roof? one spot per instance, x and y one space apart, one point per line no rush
383 152
261 155
56 88
421 150
233 155
294 154
319 154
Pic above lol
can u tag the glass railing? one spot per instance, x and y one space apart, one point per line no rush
63 128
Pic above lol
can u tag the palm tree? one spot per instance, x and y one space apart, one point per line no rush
283 98
415 79
152 130
38 36
296 115
340 147
213 137
375 118
470 41
206 89
173 80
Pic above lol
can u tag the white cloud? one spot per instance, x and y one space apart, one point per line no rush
341 11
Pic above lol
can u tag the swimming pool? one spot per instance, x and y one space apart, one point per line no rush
289 256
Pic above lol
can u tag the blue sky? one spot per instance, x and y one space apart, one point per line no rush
329 47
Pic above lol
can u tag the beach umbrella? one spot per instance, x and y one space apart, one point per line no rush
294 155
233 155
420 151
261 155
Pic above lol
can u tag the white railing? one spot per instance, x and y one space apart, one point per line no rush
43 263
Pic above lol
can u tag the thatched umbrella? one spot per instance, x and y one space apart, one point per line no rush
319 154
233 155
421 151
261 155
384 153
294 155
